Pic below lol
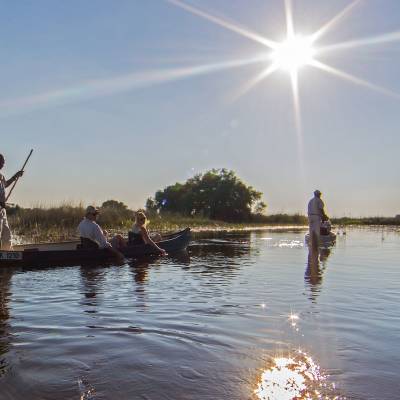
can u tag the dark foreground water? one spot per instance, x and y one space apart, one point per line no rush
242 316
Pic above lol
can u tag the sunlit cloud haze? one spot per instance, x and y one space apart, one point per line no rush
121 99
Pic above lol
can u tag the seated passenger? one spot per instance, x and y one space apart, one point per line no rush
92 236
140 235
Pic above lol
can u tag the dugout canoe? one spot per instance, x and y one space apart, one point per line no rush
66 253
324 240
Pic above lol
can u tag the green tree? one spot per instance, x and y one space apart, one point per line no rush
115 212
216 194
114 204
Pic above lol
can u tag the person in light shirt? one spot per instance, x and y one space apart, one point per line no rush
92 236
316 214
5 232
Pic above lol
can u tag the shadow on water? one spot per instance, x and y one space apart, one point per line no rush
5 283
222 255
93 278
316 266
141 267
140 270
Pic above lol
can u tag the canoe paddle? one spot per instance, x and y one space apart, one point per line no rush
15 182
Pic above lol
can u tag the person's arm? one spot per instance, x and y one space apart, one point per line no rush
100 238
104 244
2 200
147 239
13 178
324 216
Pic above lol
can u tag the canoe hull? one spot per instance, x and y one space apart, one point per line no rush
324 240
35 256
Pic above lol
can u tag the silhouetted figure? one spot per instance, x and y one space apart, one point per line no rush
5 232
316 215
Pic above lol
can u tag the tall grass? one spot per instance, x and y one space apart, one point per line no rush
367 221
60 222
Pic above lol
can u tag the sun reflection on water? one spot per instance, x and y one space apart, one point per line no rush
293 318
296 377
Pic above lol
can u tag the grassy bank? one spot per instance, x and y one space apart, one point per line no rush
59 223
367 221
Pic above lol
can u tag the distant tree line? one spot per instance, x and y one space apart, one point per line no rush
217 194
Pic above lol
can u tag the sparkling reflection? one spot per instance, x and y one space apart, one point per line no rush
295 377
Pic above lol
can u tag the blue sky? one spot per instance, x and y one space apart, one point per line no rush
92 87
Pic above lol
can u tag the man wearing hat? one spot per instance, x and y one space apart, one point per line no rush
92 236
316 214
89 229
5 232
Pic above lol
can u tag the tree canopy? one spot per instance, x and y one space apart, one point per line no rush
216 194
115 212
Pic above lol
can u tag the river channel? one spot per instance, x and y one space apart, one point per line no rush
240 315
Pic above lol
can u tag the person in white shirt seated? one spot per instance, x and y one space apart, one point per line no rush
93 237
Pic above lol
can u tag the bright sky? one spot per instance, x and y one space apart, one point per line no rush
120 99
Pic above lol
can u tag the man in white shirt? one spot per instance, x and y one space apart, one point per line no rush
5 232
89 229
316 214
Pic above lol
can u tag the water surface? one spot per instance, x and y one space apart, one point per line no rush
208 324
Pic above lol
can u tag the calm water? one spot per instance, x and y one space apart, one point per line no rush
220 322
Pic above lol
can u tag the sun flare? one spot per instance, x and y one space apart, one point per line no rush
294 53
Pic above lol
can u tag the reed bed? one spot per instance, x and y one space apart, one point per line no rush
59 223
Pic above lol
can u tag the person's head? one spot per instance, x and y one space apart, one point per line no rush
2 161
317 193
140 218
91 212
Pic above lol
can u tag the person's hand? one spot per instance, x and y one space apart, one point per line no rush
18 174
163 252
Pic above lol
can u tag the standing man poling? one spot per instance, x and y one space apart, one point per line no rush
316 214
5 232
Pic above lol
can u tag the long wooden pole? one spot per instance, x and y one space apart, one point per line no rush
15 182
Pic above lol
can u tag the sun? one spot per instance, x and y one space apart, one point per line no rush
294 53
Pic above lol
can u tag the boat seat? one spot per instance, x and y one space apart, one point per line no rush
87 244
